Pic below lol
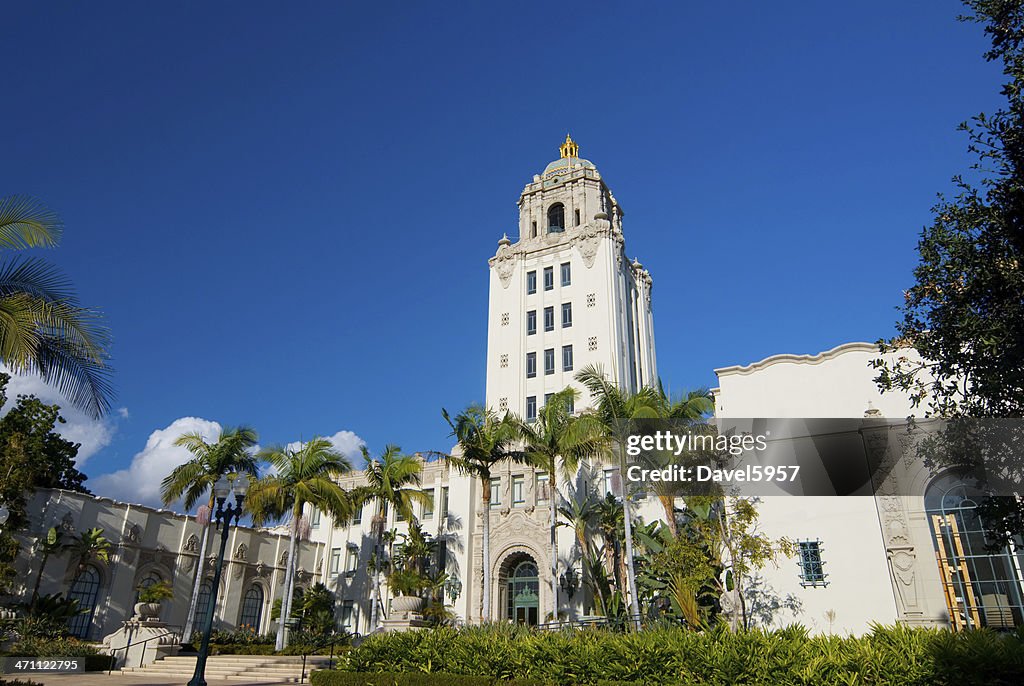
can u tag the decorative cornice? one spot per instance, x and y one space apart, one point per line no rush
798 359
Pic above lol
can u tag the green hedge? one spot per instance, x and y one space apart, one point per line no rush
898 656
241 649
335 678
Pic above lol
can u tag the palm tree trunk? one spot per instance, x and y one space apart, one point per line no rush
378 529
485 613
554 545
634 603
289 582
197 580
39 578
669 504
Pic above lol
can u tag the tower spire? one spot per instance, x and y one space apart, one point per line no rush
569 148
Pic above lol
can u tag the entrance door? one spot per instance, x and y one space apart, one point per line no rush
523 587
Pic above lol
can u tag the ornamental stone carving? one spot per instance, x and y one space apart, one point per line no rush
191 544
504 262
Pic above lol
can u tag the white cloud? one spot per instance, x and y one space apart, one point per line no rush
92 434
140 481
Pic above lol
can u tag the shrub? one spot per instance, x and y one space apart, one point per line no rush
19 682
333 678
896 656
241 649
55 647
155 593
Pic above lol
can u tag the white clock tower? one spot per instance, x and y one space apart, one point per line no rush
564 295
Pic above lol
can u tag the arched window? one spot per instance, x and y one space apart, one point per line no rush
522 594
85 589
252 608
147 581
203 604
556 218
981 588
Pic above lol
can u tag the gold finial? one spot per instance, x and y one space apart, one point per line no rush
569 148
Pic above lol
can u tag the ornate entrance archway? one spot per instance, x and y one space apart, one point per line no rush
520 589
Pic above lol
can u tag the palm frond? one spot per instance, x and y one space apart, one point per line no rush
27 223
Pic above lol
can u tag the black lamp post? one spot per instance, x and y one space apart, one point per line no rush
569 582
224 514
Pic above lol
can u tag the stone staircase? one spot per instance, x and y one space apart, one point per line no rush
253 668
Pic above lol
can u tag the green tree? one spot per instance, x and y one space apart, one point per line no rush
90 545
303 476
556 442
615 409
485 440
392 482
229 455
43 329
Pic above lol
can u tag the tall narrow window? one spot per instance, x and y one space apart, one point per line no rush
547 398
531 365
549 361
531 282
352 559
531 407
428 505
335 566
347 618
556 218
533 229
531 322
315 518
577 218
517 490
85 589
542 487
444 502
612 483
496 492
252 608
549 318
566 270
203 602
566 315
549 278
566 358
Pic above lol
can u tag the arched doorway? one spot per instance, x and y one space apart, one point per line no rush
981 588
520 589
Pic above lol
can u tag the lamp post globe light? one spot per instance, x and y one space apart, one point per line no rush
5 514
224 515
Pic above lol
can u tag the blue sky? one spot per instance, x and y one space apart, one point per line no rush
286 211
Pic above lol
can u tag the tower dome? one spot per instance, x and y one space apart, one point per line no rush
570 158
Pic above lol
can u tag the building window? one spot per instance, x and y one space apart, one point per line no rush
549 361
533 229
203 602
357 516
812 572
531 365
531 322
549 318
496 492
531 282
566 315
571 405
612 484
517 490
428 506
252 608
444 502
556 218
315 518
85 589
347 617
549 278
566 358
566 274
542 487
577 217
352 560
335 566
531 408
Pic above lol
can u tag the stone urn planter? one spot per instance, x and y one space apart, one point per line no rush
404 604
150 611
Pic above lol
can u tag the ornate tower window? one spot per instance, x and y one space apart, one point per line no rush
556 218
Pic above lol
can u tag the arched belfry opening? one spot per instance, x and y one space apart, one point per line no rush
556 218
519 589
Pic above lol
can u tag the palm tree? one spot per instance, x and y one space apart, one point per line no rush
392 482
53 543
302 476
43 329
229 455
557 442
579 511
615 408
484 440
90 545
